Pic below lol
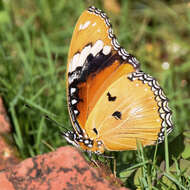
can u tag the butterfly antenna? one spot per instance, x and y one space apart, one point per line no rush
48 118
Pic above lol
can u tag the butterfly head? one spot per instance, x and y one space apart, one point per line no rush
85 144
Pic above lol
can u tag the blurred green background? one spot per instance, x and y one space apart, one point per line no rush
34 42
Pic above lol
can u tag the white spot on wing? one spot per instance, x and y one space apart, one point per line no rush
85 52
73 101
73 77
94 24
106 50
86 141
76 112
73 90
75 61
86 24
97 47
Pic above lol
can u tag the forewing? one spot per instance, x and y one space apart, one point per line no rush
95 61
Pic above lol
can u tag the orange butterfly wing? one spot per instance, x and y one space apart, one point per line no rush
133 115
111 103
93 32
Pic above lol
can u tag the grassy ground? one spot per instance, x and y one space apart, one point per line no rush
34 41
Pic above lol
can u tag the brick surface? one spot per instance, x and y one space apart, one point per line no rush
62 169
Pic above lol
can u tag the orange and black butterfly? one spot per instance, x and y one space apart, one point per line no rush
112 103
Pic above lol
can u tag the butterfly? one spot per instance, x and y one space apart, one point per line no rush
112 103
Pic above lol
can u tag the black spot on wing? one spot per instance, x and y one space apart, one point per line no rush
117 115
111 98
95 130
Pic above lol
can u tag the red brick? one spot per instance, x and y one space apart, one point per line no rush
62 169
